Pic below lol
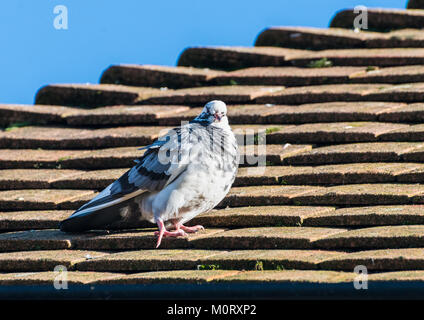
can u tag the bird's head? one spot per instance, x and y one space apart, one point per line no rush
214 112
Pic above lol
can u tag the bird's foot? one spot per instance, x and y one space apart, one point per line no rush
191 229
165 233
175 234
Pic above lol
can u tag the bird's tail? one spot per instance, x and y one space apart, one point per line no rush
116 213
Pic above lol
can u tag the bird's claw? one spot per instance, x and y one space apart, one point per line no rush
172 233
177 233
180 230
192 229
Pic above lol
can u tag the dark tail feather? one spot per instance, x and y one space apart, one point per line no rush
122 215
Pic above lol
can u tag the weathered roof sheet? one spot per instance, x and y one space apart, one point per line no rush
342 112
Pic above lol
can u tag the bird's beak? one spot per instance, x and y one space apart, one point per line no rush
217 117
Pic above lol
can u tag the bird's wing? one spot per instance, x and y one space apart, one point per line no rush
162 163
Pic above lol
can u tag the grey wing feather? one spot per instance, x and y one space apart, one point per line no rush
163 162
152 172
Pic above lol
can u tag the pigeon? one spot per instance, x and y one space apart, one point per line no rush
186 172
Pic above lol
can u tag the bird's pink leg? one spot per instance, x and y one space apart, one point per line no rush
193 229
165 233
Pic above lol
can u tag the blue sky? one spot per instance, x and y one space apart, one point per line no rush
100 33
